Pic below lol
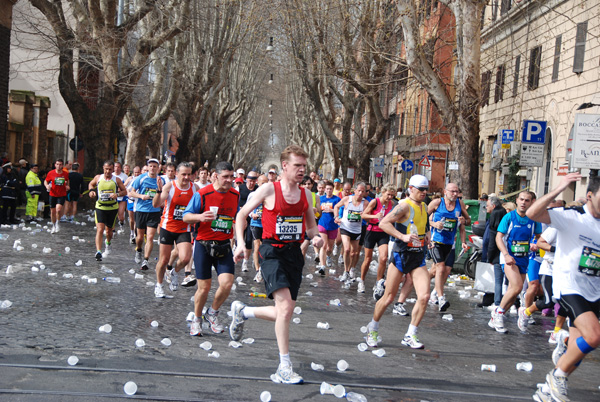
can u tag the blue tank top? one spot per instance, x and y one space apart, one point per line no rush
327 218
519 231
446 235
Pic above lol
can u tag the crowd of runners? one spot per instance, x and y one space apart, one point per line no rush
544 252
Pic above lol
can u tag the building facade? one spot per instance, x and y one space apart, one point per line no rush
540 62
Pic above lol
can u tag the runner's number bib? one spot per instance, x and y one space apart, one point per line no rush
519 248
289 227
222 223
354 216
178 212
589 263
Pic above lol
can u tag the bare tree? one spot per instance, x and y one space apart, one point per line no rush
113 47
152 103
340 48
460 114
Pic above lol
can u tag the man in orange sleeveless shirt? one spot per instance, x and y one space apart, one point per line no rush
214 208
287 215
175 197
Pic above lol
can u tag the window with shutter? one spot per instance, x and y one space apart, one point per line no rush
580 47
485 88
535 60
516 80
499 89
556 65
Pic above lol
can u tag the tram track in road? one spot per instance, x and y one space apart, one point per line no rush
403 390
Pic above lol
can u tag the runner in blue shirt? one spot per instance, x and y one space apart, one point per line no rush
513 239
147 217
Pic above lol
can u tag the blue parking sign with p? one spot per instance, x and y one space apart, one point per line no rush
534 131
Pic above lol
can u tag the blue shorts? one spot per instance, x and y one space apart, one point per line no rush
203 262
130 206
407 262
522 270
533 270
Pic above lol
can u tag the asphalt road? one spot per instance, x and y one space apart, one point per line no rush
53 317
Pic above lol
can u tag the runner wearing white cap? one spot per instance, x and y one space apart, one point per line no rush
408 258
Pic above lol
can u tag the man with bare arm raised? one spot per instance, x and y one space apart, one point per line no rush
287 214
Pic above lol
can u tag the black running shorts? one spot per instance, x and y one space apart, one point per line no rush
281 267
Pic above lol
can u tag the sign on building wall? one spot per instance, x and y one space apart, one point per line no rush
378 165
507 137
586 142
452 165
532 155
534 132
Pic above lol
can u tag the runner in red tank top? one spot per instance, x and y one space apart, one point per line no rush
214 208
286 215
57 184
175 196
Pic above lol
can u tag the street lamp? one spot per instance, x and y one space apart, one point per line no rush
271 104
587 105
270 45
271 79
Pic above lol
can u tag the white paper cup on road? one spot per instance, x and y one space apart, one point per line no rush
265 396
140 343
362 347
166 342
72 360
342 365
339 391
525 366
130 388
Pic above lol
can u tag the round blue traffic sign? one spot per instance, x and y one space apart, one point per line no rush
407 165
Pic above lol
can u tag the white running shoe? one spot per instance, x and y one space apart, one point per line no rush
433 297
53 230
159 291
174 280
138 257
286 375
341 259
351 273
196 327
57 228
329 262
361 286
443 304
400 309
558 387
236 328
561 345
335 250
412 341
379 289
258 277
522 320
107 250
344 277
497 321
213 322
245 266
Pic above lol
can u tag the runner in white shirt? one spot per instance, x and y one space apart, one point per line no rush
121 200
576 275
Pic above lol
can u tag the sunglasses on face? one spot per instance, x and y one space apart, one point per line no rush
422 188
